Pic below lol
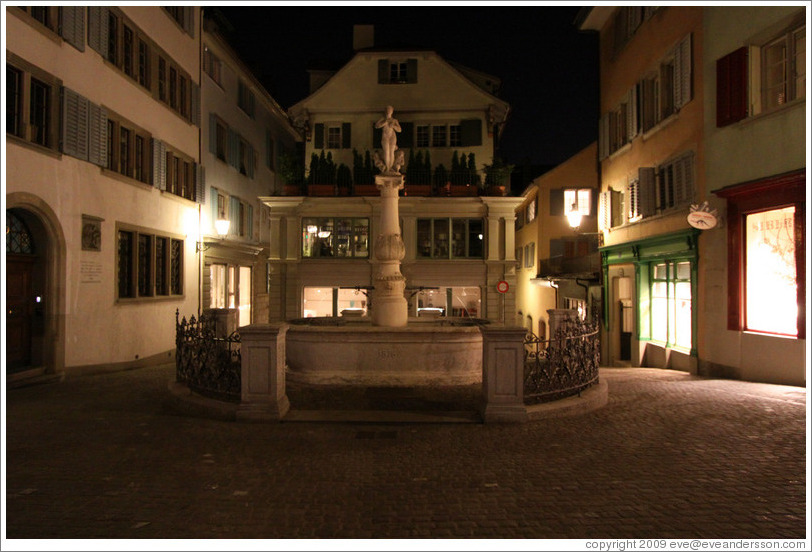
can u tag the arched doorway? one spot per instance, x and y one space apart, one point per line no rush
26 285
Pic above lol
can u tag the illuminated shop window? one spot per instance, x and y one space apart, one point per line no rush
771 285
671 303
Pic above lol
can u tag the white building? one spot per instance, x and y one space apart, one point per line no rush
459 242
101 162
244 134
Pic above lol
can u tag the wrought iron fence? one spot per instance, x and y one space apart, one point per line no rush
207 364
563 366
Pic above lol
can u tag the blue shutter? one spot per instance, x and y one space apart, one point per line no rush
214 212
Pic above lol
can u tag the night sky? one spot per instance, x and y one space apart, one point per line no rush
549 69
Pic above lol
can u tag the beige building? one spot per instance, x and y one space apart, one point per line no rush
652 157
753 263
557 265
244 135
459 240
101 183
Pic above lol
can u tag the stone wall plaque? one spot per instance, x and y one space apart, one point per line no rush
90 272
91 233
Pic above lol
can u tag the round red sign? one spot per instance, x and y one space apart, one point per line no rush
502 287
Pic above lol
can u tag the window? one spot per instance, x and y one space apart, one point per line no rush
128 52
766 255
443 238
126 152
162 79
530 255
530 211
330 301
401 71
183 16
217 283
582 198
626 22
784 68
38 121
339 135
149 265
675 183
465 302
173 88
454 136
439 136
220 142
180 175
212 65
335 237
671 318
333 137
245 99
422 139
112 38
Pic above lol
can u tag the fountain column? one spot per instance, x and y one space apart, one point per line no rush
389 307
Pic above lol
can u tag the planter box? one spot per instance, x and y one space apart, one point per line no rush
321 190
463 191
366 190
291 190
423 190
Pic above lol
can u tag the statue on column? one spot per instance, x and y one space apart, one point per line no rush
389 141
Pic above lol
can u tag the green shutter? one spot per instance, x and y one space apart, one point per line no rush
411 71
557 203
319 138
471 132
346 135
234 216
406 138
383 71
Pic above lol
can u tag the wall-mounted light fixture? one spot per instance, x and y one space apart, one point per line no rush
574 216
221 226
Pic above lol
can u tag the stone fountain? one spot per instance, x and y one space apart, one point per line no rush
389 349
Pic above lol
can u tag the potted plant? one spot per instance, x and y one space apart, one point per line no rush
497 177
290 170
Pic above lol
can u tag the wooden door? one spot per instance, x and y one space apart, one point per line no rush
19 311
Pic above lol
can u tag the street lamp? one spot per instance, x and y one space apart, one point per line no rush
221 226
574 216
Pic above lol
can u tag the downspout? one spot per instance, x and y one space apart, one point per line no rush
200 160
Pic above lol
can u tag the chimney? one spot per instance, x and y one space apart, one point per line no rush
363 36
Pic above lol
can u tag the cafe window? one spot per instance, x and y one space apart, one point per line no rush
335 237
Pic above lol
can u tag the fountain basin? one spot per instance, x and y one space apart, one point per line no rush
333 351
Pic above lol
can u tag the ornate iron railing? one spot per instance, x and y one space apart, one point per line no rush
563 366
207 364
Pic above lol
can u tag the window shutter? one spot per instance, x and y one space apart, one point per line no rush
604 211
633 199
383 71
731 87
684 179
647 191
195 104
233 149
97 19
631 113
411 71
616 211
603 137
158 164
234 216
189 20
75 119
557 202
72 25
215 213
97 135
377 137
212 134
346 135
319 136
682 72
471 132
200 184
251 222
251 155
647 104
406 138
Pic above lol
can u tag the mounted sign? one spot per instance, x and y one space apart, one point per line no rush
702 216
502 287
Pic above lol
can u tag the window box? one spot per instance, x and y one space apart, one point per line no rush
422 190
463 190
366 190
321 190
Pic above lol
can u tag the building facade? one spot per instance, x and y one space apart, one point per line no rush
244 137
753 262
459 240
558 266
102 187
651 154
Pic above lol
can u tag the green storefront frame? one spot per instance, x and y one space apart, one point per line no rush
682 246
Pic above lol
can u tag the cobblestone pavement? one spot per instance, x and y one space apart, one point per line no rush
670 456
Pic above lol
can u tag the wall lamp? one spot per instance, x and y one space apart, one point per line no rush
574 216
221 226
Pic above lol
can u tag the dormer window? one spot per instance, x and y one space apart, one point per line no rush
397 71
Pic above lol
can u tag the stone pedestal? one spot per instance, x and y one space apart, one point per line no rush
225 321
503 374
389 306
263 396
559 317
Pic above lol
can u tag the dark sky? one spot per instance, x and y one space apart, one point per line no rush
549 69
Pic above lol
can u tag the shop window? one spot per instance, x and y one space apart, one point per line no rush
671 317
334 301
335 238
443 238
